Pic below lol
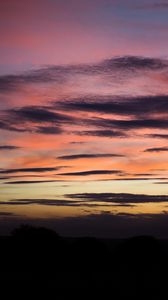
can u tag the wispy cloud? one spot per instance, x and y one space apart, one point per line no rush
34 119
132 106
92 172
129 124
62 74
102 133
119 198
95 155
8 147
29 170
91 200
29 181
157 149
53 202
38 114
157 136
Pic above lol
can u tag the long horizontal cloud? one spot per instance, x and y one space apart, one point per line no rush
49 130
55 202
8 125
20 125
157 149
30 181
39 202
28 170
96 155
132 106
92 172
119 198
157 136
60 74
129 124
34 119
38 114
102 133
91 200
8 147
31 118
139 178
44 75
102 179
49 202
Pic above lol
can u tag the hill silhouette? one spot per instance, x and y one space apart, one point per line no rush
40 259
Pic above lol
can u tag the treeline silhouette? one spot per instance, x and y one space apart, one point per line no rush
39 258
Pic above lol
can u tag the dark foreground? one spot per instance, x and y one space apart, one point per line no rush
38 261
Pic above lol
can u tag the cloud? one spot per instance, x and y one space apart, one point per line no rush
44 75
102 133
53 118
96 155
129 124
134 63
157 149
139 178
6 214
61 74
143 174
38 114
49 130
119 198
92 200
23 176
92 172
53 202
157 136
28 170
128 106
77 143
30 181
32 119
5 125
49 202
8 147
31 128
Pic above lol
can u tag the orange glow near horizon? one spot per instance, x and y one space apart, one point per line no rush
83 108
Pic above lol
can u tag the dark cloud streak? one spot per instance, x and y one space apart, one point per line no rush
96 155
119 198
92 172
28 170
102 133
8 147
127 106
61 74
157 149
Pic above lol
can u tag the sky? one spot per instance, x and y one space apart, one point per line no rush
84 116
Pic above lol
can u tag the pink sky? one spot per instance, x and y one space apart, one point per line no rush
83 91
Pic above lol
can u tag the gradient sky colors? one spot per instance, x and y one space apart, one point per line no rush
84 115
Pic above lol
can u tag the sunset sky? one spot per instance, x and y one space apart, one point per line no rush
84 116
